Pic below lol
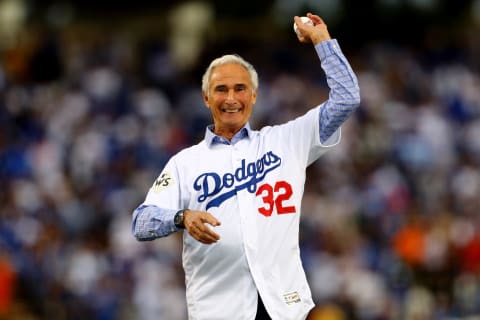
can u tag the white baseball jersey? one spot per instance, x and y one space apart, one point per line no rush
254 187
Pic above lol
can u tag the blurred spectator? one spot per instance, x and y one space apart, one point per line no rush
7 286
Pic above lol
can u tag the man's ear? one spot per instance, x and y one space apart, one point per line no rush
254 96
205 99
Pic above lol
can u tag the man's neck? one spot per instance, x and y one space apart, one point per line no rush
226 133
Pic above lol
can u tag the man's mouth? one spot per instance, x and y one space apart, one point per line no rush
231 110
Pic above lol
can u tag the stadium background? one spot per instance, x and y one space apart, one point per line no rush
95 96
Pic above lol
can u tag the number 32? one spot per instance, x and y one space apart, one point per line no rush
273 197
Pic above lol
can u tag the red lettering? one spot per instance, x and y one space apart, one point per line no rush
274 197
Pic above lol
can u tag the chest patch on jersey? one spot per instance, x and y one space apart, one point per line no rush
217 188
291 298
163 181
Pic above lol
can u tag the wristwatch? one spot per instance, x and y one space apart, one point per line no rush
178 219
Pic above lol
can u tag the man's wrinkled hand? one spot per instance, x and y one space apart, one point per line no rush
196 223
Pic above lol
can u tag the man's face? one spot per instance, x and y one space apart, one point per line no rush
230 99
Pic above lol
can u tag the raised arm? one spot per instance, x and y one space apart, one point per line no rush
344 96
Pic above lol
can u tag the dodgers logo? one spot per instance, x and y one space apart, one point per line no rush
220 188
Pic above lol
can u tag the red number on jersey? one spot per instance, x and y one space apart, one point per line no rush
283 192
267 199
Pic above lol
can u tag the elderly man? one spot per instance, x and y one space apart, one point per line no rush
237 194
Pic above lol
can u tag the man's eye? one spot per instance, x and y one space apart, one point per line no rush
221 89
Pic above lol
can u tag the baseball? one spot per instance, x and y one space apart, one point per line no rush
304 20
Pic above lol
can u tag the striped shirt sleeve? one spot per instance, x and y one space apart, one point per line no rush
344 95
151 222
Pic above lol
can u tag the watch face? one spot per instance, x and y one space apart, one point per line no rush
178 220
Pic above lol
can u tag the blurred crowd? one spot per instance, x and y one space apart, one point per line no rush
390 221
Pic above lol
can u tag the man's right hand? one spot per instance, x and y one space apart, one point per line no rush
312 34
196 224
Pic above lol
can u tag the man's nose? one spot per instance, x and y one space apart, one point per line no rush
230 95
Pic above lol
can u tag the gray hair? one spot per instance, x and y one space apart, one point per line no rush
226 59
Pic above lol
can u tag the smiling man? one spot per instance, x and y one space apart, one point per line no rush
237 194
229 92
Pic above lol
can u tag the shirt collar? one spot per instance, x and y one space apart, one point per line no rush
212 139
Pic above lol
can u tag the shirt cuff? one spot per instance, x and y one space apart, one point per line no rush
167 216
327 48
151 222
